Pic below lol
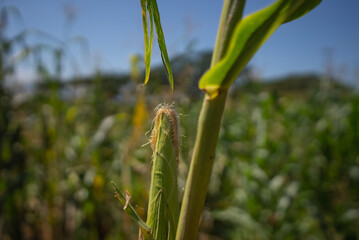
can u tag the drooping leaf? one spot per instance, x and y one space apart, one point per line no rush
249 34
146 6
161 43
150 7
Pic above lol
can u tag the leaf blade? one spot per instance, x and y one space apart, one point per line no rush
146 7
129 209
231 14
247 38
162 43
303 9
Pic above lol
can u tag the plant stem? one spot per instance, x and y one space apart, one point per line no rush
209 123
231 14
201 166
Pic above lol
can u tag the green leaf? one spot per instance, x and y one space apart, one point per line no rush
146 6
129 209
303 9
231 14
247 38
161 43
151 7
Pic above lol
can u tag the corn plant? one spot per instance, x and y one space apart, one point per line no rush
162 216
163 213
237 41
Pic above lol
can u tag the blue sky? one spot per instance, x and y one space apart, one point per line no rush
113 31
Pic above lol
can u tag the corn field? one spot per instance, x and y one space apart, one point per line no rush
286 163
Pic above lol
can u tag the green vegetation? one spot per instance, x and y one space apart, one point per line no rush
286 166
150 6
229 59
163 205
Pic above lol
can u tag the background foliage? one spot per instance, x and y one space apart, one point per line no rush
287 162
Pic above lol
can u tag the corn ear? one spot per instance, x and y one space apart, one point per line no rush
163 212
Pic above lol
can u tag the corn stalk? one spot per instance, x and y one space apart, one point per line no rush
237 41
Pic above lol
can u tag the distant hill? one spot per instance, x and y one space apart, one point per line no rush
292 84
300 82
187 69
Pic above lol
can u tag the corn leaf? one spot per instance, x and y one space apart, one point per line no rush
151 7
248 36
231 14
146 6
161 43
130 210
302 9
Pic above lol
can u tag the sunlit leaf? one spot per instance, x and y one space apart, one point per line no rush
231 14
146 6
248 36
161 43
150 7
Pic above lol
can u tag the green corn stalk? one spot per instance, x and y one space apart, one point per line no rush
237 41
163 211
